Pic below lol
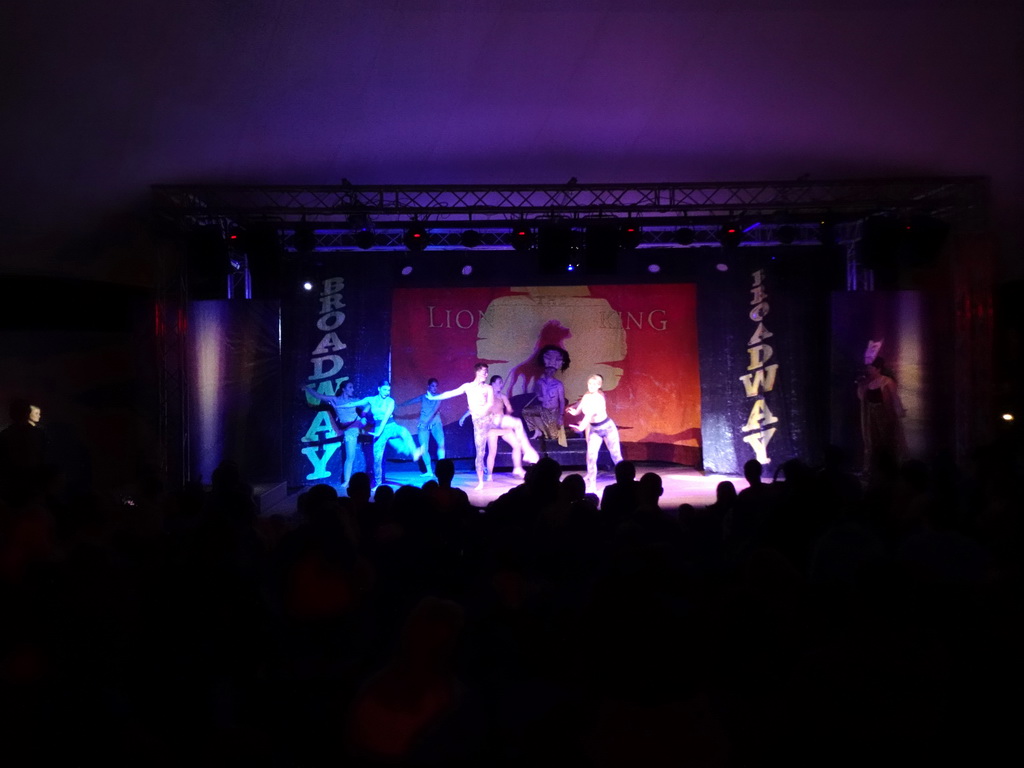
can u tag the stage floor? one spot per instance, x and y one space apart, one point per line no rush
683 485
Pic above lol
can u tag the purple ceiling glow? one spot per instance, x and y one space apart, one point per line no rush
102 101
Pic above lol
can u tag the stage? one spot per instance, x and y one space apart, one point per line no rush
683 485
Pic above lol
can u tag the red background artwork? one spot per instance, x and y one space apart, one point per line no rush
641 338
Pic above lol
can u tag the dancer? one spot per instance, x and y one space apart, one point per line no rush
500 407
544 414
347 421
429 424
480 399
382 405
596 426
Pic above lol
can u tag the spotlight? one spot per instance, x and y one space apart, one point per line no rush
685 236
730 235
521 237
722 267
654 268
471 238
364 239
415 237
406 270
307 286
467 270
1007 417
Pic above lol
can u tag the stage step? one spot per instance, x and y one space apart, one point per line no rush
268 495
573 456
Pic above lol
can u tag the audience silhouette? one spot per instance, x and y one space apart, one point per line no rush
808 620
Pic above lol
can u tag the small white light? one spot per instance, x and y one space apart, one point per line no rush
406 270
654 268
307 286
722 267
1007 417
467 270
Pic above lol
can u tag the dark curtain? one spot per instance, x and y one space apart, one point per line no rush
235 388
743 296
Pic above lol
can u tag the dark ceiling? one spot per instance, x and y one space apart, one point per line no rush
101 100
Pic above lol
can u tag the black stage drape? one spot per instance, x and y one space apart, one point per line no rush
763 325
339 330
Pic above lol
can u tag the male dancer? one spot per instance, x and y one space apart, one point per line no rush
480 399
382 405
500 406
429 424
544 413
347 421
597 426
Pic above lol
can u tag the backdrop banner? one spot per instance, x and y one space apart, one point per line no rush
763 319
338 331
642 339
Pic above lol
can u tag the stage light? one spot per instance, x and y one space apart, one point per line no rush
364 239
722 267
521 237
307 286
556 247
826 230
1007 417
467 270
923 238
471 238
685 236
415 237
730 235
406 270
786 234
304 237
654 268
629 236
601 242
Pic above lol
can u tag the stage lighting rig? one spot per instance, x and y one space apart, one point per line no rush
521 237
730 235
471 238
685 236
415 237
629 236
364 238
305 237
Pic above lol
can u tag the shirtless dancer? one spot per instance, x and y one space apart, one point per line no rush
480 400
429 424
382 405
597 426
348 422
500 407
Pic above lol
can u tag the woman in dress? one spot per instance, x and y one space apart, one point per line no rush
880 414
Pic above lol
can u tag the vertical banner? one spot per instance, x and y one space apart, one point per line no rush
336 332
763 317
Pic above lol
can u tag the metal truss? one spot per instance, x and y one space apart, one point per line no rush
960 199
651 235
